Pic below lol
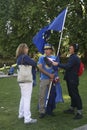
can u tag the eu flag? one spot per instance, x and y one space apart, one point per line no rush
57 25
40 39
58 22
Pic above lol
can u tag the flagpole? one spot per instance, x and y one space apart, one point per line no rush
62 32
50 86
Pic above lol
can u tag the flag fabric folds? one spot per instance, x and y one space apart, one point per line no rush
58 22
57 25
39 40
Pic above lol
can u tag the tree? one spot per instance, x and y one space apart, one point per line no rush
21 20
76 24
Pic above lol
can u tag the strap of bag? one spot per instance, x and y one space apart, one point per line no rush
22 60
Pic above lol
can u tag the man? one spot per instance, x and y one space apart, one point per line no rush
45 77
48 74
72 80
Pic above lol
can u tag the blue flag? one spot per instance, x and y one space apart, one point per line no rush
40 39
57 24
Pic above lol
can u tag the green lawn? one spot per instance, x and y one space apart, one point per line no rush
9 102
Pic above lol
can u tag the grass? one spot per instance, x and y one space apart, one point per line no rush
9 102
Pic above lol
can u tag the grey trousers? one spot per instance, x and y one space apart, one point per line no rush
42 94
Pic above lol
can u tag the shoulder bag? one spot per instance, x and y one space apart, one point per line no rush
24 73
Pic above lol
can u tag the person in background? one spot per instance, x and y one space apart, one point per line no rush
25 87
72 80
11 71
47 75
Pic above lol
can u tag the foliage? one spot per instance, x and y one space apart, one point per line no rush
21 20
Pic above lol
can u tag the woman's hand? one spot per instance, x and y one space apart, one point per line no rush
54 63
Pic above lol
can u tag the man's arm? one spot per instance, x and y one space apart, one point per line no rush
45 72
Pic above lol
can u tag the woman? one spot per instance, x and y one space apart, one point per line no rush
72 80
25 87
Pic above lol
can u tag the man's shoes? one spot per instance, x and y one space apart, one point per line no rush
78 116
30 121
42 115
69 111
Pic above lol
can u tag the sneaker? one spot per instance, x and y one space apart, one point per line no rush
69 111
20 117
42 115
30 121
78 116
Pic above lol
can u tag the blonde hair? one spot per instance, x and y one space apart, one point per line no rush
20 49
